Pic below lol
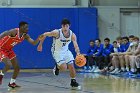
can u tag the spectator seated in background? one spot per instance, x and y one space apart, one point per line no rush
129 60
116 50
107 50
97 56
135 58
89 55
118 59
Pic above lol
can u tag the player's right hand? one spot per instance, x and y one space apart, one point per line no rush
41 37
39 48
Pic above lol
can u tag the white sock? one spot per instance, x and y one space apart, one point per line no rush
1 73
122 68
72 78
116 69
12 81
127 68
112 67
132 69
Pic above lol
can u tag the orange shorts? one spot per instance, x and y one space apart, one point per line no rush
7 54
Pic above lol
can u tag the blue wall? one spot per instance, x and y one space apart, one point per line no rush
83 24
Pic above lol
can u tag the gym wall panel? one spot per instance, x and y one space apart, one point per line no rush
88 28
41 20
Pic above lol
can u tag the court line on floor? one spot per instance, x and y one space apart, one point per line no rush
52 85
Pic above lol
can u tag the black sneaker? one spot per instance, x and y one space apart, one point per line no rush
56 70
74 84
13 85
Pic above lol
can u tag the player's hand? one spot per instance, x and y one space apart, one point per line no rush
39 48
41 37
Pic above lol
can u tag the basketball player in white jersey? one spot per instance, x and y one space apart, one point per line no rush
60 50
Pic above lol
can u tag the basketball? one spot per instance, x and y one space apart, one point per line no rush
80 60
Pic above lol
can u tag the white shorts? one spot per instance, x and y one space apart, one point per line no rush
63 57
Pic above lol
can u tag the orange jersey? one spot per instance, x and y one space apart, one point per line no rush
9 42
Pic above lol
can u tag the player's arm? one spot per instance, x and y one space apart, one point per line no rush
53 33
33 42
137 51
11 32
74 40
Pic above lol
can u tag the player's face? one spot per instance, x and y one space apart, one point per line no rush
125 41
115 45
131 39
97 43
91 44
135 41
24 28
65 27
106 42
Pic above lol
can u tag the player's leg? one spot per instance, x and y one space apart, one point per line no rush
91 62
61 66
73 75
60 63
133 64
127 60
6 61
137 61
70 60
122 63
115 61
15 73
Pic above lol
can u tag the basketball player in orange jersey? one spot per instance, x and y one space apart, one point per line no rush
8 40
60 50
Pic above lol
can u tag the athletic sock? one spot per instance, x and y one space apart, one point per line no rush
127 69
1 73
12 81
72 78
132 70
122 68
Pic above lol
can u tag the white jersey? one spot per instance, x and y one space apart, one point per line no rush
61 44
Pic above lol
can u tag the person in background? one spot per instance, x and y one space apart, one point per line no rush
116 50
130 63
107 50
117 59
89 55
131 37
97 56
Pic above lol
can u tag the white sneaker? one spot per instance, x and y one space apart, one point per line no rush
97 70
85 68
111 68
93 68
115 71
90 68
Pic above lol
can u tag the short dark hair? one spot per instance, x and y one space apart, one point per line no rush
126 38
22 23
65 21
91 41
119 38
131 36
99 40
114 42
107 39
